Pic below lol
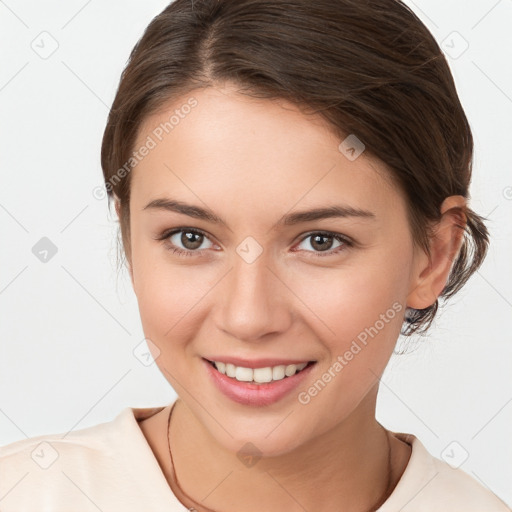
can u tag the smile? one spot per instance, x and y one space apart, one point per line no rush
259 375
261 386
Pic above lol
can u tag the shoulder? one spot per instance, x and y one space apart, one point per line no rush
77 468
429 483
44 451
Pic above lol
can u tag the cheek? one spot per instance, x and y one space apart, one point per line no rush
168 305
160 296
169 297
362 302
359 314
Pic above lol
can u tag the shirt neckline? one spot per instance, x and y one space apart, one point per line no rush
418 473
140 459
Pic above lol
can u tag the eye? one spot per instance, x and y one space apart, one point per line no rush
187 242
321 242
184 241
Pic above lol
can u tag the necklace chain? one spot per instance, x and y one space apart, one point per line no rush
201 508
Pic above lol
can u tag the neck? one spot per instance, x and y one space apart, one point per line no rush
346 467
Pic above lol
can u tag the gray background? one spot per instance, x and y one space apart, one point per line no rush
70 333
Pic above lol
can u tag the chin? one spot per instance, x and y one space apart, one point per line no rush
258 435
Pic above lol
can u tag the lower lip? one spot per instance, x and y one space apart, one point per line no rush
255 394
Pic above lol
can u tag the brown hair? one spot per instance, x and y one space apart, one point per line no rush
370 68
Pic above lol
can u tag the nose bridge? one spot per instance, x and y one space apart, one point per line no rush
252 301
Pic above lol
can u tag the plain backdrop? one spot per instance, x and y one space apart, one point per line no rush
70 330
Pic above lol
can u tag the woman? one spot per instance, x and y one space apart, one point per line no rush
291 180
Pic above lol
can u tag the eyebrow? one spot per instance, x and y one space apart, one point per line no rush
334 211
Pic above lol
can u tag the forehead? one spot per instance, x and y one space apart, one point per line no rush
232 149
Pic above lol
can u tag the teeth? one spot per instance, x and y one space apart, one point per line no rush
278 372
243 374
290 370
262 374
230 370
258 375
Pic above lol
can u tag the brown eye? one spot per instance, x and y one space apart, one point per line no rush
191 240
322 242
185 241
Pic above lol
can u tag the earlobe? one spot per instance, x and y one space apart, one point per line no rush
431 275
422 294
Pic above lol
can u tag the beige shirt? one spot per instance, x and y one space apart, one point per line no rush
111 467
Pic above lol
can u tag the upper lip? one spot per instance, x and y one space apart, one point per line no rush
256 363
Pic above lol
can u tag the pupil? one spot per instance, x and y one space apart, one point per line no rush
187 239
320 246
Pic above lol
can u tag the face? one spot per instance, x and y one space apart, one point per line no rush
255 284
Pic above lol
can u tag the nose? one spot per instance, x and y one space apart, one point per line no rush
253 302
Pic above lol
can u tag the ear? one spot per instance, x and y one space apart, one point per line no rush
118 211
430 276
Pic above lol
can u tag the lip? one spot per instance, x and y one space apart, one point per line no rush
256 363
255 395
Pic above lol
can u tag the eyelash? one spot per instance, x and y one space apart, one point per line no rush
182 252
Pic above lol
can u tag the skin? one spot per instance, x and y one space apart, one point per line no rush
251 162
